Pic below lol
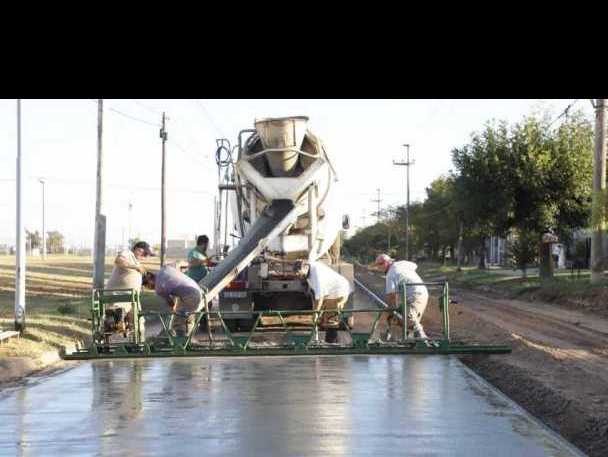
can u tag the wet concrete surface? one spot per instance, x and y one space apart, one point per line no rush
300 406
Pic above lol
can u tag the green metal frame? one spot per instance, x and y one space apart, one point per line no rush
298 341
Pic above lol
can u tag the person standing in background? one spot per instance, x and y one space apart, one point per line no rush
198 260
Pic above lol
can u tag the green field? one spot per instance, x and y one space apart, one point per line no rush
58 294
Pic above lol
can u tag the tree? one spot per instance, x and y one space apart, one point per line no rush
54 242
33 239
552 180
483 180
524 249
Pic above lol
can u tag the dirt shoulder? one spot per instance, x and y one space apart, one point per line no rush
558 369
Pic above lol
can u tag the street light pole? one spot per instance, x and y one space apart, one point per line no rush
20 248
163 195
41 180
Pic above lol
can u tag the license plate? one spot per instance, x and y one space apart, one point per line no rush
235 294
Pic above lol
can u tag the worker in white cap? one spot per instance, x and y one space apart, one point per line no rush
127 274
331 291
417 298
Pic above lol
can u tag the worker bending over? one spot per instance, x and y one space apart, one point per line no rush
404 272
126 274
198 260
331 291
181 294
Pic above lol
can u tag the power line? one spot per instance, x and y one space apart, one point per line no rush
146 107
213 124
564 112
130 116
134 118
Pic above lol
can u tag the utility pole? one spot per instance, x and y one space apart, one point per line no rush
99 255
378 200
407 164
41 180
20 263
163 197
129 234
599 191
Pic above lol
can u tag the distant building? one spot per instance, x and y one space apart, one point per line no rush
178 249
5 249
497 251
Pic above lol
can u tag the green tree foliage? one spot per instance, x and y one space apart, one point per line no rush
484 172
524 249
33 239
54 242
525 178
552 175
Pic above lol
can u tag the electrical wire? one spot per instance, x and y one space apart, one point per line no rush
564 112
147 108
210 118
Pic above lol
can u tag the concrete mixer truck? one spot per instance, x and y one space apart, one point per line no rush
278 198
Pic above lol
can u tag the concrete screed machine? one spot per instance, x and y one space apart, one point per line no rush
280 186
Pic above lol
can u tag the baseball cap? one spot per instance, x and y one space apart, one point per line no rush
146 247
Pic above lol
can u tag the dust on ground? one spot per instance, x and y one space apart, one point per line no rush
558 369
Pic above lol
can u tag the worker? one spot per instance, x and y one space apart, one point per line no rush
127 274
331 291
198 260
181 294
398 273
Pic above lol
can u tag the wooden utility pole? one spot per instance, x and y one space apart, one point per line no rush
599 192
20 260
43 222
100 218
163 196
378 201
407 163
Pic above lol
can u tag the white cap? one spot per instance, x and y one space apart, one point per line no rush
382 259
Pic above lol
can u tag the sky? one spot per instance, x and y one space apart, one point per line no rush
362 137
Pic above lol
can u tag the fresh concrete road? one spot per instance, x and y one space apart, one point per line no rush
298 406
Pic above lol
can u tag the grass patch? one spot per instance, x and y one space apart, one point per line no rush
58 302
565 287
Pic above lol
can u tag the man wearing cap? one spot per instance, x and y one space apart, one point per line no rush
331 291
181 293
417 296
127 274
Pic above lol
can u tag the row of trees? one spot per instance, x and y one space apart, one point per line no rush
54 241
522 179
